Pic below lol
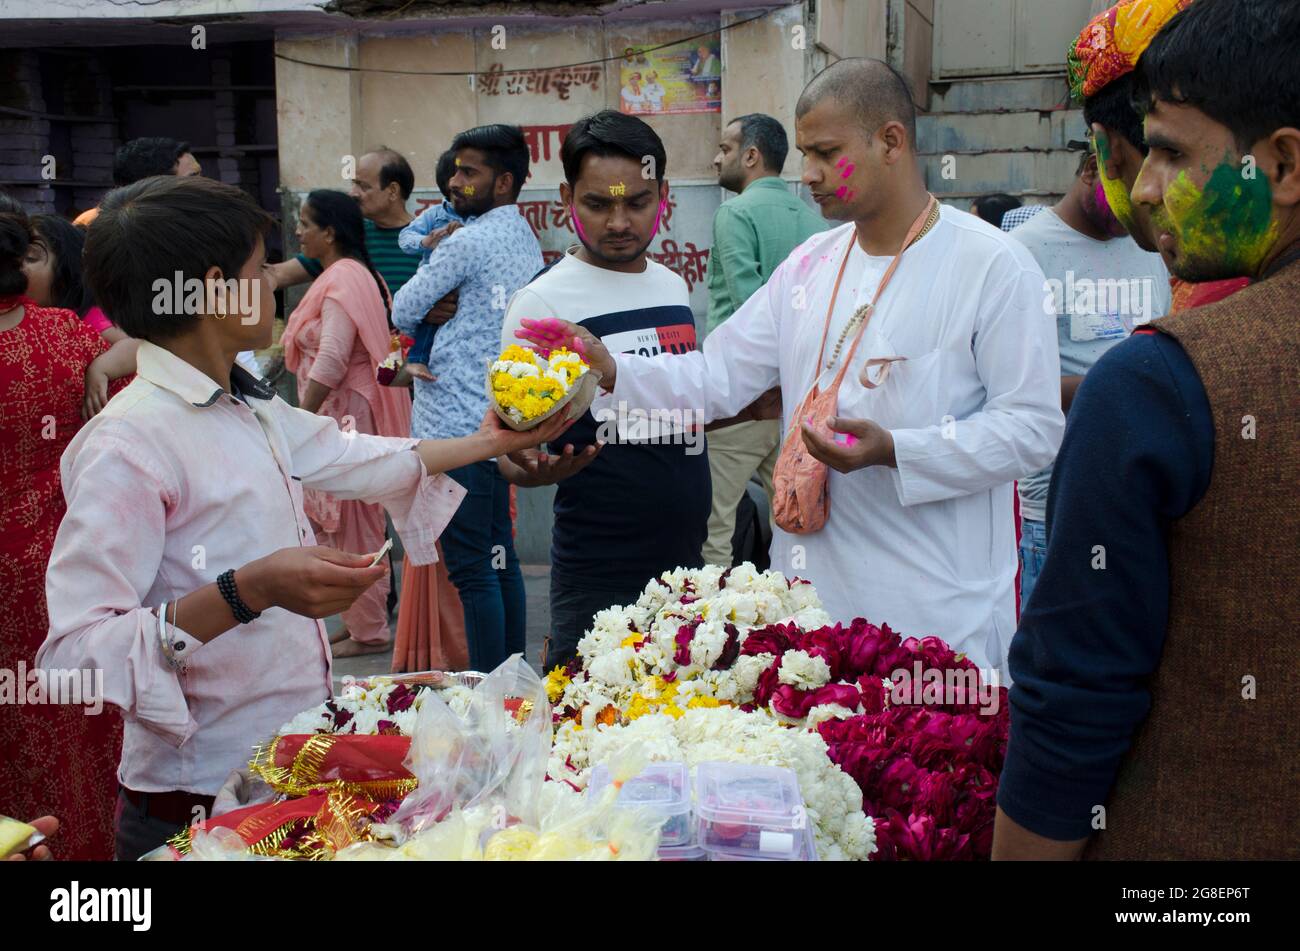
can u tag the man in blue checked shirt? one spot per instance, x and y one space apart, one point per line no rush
484 264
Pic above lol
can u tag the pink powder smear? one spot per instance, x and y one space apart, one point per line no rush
577 224
844 193
658 217
848 171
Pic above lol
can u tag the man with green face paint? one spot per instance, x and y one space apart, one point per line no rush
1100 66
1101 62
1140 719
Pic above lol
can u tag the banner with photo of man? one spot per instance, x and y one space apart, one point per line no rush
675 79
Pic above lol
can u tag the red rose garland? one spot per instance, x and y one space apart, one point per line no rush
928 770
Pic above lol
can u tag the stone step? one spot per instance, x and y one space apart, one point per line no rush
1019 94
982 132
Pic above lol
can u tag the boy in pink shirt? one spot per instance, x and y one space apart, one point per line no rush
185 569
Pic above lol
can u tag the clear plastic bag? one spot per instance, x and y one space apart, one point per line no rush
222 845
494 757
241 789
483 792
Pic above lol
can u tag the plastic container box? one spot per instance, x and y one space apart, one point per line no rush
682 853
749 810
807 853
662 787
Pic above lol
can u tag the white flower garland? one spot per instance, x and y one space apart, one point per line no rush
368 704
616 667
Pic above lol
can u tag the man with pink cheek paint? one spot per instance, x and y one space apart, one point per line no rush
1100 284
633 496
919 529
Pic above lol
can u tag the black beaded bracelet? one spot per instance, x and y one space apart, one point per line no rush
226 585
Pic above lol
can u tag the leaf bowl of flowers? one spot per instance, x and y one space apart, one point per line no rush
527 388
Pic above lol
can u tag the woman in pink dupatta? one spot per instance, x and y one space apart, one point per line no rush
334 342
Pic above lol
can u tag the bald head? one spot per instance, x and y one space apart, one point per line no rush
872 90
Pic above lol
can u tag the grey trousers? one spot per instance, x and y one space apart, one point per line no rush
138 833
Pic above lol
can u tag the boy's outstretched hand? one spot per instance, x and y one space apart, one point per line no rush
551 333
314 582
505 440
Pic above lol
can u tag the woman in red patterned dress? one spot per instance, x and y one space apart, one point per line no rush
55 759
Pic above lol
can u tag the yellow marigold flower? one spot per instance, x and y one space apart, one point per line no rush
517 354
702 701
556 682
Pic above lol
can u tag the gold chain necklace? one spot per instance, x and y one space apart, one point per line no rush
861 313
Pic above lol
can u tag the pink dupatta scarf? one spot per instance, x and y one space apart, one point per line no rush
350 285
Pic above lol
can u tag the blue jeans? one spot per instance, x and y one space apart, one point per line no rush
481 561
422 349
1033 549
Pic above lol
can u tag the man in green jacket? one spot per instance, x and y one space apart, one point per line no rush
752 234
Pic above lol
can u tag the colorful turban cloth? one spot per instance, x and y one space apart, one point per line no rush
1109 46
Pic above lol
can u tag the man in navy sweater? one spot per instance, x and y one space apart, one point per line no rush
1170 582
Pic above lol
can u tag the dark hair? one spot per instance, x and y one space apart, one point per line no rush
612 133
1237 61
11 205
873 89
444 172
63 241
157 227
141 158
767 135
395 169
1112 107
331 209
15 238
992 207
503 146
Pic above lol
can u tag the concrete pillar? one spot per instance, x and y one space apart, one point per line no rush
767 66
318 111
319 123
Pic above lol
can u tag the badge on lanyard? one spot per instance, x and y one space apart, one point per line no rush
1086 327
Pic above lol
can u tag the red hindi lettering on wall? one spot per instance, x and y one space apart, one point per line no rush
560 80
539 138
